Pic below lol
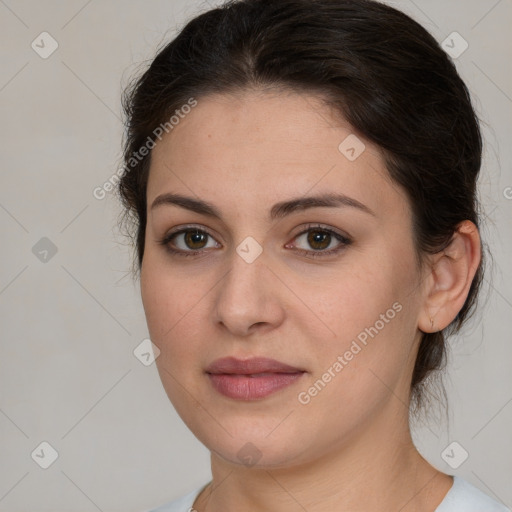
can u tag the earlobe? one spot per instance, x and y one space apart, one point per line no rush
452 273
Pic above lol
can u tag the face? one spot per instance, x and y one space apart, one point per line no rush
330 292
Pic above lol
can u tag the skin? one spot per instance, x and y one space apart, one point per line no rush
350 447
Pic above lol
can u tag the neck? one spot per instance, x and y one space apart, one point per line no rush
378 469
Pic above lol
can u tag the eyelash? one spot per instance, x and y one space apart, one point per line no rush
344 241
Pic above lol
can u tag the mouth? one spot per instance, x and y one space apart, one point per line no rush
251 379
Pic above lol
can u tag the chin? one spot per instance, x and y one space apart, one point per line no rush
252 445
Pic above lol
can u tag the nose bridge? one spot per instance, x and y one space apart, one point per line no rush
247 294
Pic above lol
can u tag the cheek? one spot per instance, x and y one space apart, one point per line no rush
174 305
369 309
351 301
171 306
165 295
356 371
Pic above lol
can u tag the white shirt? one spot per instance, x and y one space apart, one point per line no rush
462 497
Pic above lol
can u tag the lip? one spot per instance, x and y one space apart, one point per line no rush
251 379
232 365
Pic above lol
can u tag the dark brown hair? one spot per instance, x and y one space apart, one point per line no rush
381 70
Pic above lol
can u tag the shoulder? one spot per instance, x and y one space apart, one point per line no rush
465 497
182 504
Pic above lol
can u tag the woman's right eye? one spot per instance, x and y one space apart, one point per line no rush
187 241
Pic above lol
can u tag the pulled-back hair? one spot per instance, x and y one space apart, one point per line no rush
380 70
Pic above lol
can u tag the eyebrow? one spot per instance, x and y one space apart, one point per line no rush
278 211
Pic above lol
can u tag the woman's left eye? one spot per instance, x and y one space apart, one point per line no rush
320 238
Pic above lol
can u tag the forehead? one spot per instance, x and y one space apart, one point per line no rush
262 147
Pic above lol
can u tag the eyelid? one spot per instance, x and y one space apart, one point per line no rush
323 227
304 229
187 227
165 240
343 239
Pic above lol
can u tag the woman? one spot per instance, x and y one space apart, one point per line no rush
302 180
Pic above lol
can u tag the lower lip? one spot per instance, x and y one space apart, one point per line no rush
247 387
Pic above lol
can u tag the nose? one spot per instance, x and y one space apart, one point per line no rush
249 298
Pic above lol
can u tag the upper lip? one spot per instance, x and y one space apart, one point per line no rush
232 365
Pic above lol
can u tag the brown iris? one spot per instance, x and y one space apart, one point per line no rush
319 237
195 237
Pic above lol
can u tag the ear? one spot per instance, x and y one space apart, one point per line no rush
451 274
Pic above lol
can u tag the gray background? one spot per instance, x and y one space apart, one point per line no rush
70 323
